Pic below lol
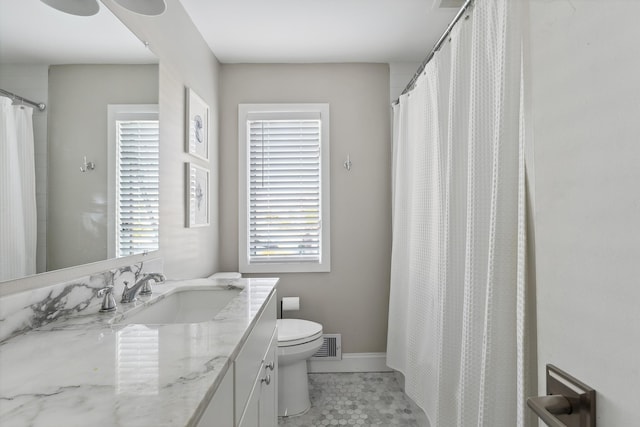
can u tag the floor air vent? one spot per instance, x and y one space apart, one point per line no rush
331 348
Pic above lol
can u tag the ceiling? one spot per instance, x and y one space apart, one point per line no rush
303 31
32 32
237 31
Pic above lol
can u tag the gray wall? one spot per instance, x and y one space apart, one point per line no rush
400 74
77 210
353 298
586 105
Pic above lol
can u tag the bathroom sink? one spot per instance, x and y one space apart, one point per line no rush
182 306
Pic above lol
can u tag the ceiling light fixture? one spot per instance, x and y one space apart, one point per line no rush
91 7
144 7
75 7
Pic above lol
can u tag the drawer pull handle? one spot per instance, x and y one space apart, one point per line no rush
266 380
271 366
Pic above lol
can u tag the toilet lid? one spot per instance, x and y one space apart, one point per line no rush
297 331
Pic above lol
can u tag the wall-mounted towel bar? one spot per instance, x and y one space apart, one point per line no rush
569 402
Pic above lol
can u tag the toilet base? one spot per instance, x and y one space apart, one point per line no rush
293 389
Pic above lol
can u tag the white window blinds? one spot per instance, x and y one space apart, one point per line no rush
285 219
138 186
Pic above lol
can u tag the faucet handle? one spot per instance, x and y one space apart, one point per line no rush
146 287
108 302
126 289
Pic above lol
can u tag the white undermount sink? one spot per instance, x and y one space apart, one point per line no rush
182 306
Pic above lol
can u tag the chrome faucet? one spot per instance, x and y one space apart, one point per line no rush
129 294
108 302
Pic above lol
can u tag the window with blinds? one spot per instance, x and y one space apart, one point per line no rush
284 186
136 225
139 192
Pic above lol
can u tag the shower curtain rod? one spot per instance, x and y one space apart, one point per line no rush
38 105
467 4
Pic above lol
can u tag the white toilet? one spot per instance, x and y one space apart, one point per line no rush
297 341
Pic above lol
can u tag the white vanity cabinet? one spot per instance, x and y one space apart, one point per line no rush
261 409
256 374
268 404
248 394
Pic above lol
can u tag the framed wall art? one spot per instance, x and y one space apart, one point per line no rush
197 179
197 125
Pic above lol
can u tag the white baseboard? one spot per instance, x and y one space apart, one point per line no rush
351 362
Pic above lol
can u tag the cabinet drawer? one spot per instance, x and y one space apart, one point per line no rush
248 364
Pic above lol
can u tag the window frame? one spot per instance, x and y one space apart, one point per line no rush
282 110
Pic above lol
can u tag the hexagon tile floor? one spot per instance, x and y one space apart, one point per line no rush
357 399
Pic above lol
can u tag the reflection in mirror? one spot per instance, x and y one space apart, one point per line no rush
79 183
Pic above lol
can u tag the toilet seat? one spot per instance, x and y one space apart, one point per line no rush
293 332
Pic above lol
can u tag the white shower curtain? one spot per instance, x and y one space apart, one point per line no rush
18 218
456 310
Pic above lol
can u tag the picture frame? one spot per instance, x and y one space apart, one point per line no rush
197 191
197 125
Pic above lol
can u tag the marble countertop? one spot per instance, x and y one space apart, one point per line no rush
91 371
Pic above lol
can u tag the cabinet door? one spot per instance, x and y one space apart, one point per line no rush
251 415
248 365
269 391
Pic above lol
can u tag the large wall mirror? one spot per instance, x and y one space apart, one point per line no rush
94 158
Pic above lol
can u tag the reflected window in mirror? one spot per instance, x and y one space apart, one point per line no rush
134 220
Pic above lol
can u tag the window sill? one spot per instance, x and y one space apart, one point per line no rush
286 268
